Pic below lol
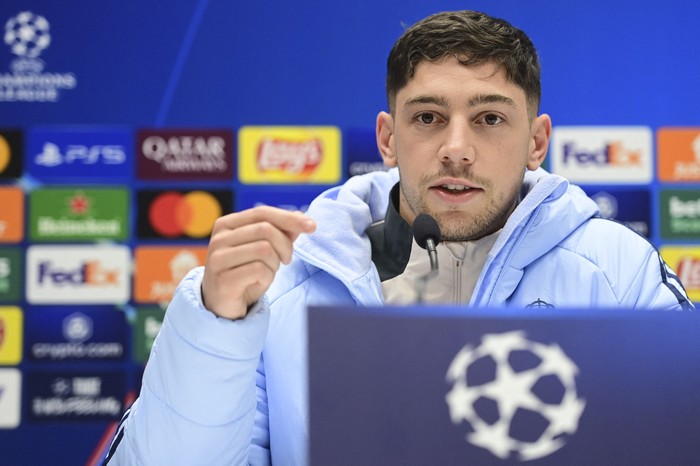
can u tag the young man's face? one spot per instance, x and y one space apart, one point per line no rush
462 138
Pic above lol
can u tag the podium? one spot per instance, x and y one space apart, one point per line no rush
449 385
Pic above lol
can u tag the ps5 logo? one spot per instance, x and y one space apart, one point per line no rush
51 155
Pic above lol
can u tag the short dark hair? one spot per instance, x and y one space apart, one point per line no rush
473 38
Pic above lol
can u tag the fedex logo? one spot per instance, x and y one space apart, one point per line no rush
602 155
78 274
611 154
90 273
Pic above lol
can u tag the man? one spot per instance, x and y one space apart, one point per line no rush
226 380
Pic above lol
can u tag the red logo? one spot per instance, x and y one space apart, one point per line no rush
181 214
289 156
184 154
689 272
79 204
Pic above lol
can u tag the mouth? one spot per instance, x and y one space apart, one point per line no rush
454 190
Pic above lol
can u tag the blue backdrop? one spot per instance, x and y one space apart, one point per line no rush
225 64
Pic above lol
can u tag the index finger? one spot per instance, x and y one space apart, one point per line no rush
289 222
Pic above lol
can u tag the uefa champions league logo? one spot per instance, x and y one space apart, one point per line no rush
28 35
508 381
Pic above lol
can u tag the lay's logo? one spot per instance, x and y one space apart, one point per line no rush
602 155
293 157
289 155
685 260
689 272
78 274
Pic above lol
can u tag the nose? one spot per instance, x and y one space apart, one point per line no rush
457 147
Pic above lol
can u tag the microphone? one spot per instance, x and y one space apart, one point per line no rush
426 232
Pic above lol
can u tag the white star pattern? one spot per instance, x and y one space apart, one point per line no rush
513 390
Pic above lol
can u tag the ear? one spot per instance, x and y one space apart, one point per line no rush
385 139
540 133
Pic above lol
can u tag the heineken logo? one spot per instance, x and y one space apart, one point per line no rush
79 214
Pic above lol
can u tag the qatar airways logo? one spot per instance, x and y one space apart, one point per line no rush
185 154
293 157
601 155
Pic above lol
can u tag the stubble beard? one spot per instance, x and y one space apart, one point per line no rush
456 225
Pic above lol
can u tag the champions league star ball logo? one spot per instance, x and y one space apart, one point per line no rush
518 396
27 34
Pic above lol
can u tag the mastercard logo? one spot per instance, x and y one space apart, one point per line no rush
173 214
4 154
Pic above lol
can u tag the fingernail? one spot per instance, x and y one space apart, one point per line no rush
309 224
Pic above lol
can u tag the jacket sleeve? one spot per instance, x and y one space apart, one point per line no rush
655 285
202 399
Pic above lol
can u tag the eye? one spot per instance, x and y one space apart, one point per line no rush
427 118
491 119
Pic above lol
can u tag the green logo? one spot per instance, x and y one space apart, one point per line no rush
10 274
680 214
146 328
78 214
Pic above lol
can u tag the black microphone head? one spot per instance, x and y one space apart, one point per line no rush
424 227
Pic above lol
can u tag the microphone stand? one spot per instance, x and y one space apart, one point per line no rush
423 280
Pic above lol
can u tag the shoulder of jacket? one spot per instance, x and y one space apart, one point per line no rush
605 241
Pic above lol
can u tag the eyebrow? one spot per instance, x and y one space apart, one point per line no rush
479 99
427 99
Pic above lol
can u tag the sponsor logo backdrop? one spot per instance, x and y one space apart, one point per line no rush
126 129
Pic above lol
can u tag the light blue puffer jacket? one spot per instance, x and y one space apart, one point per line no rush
210 398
